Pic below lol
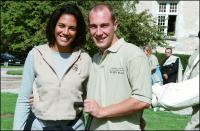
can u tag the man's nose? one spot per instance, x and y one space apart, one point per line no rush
99 31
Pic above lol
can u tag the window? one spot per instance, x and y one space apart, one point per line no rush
167 14
173 7
162 7
161 22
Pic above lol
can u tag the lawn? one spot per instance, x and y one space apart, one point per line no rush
14 72
165 120
8 101
2 66
154 120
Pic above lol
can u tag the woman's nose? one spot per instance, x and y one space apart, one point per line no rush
66 31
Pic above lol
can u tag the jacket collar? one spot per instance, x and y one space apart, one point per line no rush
46 54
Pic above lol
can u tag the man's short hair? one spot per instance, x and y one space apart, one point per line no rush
169 48
101 6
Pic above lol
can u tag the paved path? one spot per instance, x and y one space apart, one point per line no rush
10 83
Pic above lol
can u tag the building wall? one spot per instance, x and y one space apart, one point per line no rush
188 19
187 24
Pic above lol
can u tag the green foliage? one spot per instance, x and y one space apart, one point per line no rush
139 29
23 24
184 59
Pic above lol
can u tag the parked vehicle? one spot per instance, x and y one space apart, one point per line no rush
8 59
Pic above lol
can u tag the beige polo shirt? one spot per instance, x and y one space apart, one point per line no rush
121 72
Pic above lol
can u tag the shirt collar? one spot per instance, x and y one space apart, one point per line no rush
115 47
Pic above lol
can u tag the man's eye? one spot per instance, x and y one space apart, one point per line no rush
92 27
104 25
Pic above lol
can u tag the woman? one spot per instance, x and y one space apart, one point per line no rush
55 73
156 77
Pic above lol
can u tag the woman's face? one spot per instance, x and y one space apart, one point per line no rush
147 53
65 32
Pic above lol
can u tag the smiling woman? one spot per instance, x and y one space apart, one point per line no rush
55 73
65 33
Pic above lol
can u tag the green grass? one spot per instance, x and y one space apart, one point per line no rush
154 120
14 72
165 120
8 101
6 123
21 66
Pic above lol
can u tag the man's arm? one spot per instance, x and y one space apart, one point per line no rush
125 107
176 96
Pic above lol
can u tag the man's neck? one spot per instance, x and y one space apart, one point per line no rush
115 39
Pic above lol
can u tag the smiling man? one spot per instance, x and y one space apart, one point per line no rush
119 87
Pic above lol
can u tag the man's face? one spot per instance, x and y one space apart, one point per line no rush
168 52
102 28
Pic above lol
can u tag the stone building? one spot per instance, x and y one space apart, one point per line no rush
179 21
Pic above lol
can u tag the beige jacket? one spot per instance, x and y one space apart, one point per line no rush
55 97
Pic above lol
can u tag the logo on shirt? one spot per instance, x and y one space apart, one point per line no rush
75 67
116 71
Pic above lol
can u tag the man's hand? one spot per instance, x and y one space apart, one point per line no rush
93 108
165 76
31 100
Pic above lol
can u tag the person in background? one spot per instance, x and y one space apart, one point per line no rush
171 68
156 76
55 72
118 87
176 96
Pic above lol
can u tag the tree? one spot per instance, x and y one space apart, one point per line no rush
23 24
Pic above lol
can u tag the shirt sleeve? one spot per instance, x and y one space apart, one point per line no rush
22 106
140 79
166 96
154 62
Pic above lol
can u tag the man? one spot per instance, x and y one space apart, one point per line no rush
119 87
176 96
171 68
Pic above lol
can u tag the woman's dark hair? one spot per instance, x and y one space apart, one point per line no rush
81 26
